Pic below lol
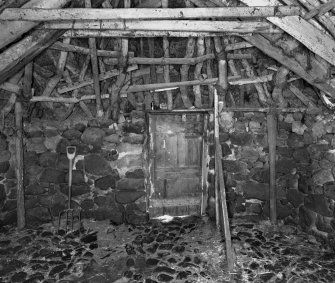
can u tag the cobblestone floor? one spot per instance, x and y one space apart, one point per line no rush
181 250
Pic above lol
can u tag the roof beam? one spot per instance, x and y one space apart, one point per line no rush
174 25
289 62
36 14
314 39
10 31
17 56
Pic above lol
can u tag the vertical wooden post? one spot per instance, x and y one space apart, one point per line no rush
166 48
223 74
21 215
272 136
216 131
209 63
204 170
153 75
95 69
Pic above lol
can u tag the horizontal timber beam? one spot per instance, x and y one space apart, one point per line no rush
143 88
83 33
36 14
175 61
173 25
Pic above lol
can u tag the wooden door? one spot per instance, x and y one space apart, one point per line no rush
176 151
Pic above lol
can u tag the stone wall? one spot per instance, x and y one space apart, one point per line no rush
305 168
109 180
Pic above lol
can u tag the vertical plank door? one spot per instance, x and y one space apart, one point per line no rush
176 152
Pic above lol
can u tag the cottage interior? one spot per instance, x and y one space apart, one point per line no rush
167 141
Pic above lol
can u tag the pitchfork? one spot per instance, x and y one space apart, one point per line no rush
70 214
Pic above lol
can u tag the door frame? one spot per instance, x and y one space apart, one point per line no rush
150 178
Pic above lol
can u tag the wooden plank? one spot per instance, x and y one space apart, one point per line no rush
310 36
71 14
83 33
272 137
11 31
236 27
17 56
21 217
180 201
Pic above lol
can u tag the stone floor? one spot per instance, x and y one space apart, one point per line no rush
181 250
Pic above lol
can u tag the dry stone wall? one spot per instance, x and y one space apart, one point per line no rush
305 168
108 176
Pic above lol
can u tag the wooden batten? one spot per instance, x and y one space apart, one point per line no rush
236 27
35 14
175 61
61 46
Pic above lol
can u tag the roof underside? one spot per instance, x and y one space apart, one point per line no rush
298 35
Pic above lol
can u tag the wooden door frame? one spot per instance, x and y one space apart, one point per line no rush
150 178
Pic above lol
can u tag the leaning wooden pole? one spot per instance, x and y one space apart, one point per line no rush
219 174
21 215
272 136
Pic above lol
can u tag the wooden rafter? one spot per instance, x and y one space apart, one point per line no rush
17 56
314 39
11 31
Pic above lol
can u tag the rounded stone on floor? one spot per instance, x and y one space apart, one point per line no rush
164 278
128 274
19 276
57 269
130 262
152 261
164 269
183 275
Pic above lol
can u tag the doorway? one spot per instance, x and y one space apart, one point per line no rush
175 153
